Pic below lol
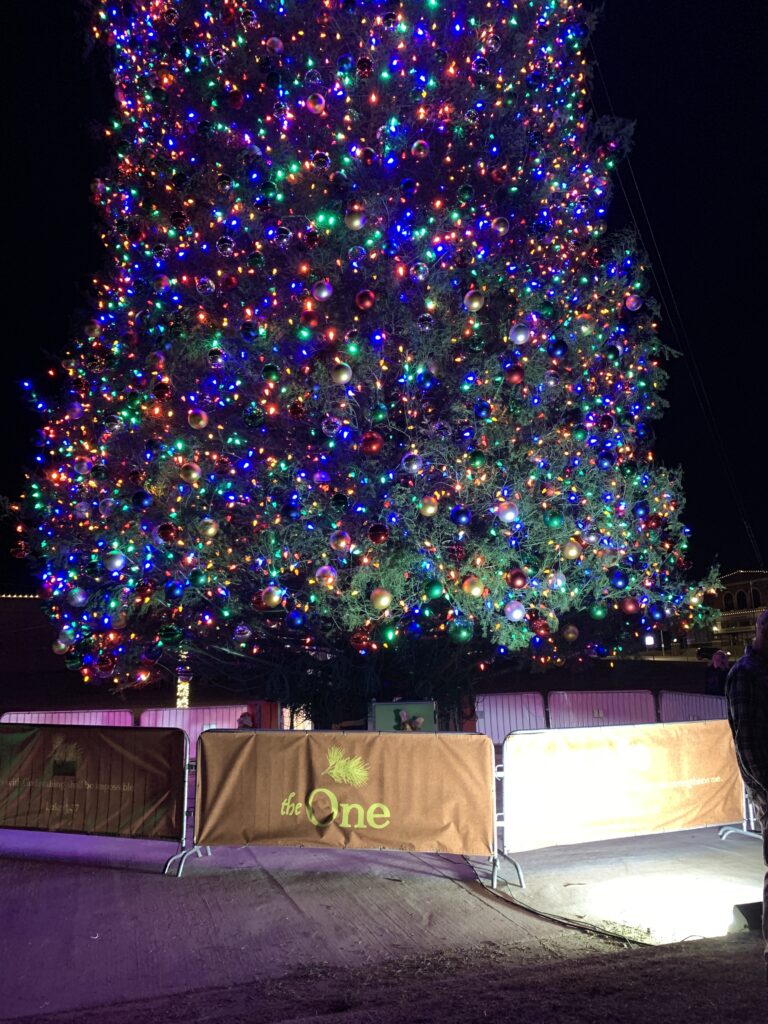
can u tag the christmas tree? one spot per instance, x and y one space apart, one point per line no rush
364 373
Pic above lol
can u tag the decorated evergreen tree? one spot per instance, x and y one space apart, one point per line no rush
364 373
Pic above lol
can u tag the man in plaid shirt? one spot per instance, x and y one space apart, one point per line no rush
747 694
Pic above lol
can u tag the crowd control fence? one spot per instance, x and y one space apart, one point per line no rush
94 780
614 782
419 792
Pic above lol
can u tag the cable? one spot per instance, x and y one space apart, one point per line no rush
566 922
669 301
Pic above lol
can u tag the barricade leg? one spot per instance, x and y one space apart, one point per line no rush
518 869
748 825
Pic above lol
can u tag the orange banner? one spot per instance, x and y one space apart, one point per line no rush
417 792
112 781
567 786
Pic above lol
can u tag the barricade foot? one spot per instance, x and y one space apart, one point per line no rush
734 830
494 871
181 857
518 869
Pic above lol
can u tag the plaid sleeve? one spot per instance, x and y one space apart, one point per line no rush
748 715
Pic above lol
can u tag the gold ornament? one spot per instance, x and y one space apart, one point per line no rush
271 597
341 373
381 599
190 472
355 220
208 527
473 586
197 419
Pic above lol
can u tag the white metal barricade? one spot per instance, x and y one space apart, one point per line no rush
193 720
101 718
499 714
580 708
690 707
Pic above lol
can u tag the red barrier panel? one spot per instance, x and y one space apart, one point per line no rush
691 707
569 709
499 714
108 718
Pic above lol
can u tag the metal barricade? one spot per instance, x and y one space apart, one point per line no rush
101 718
575 708
193 720
499 714
690 707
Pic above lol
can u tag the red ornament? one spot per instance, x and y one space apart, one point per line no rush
368 156
514 374
162 391
166 532
371 443
378 533
540 627
605 422
456 552
365 299
630 606
517 579
360 640
309 318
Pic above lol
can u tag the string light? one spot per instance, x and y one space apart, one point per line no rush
363 364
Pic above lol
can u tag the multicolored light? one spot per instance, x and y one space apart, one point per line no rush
363 364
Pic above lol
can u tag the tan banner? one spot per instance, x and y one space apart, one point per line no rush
111 781
428 793
578 785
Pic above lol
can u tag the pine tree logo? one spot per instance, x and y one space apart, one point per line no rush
351 771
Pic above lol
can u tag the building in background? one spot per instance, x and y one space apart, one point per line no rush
744 597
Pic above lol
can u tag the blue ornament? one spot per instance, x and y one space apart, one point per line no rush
618 579
656 611
295 619
174 589
557 349
482 409
141 499
461 515
641 510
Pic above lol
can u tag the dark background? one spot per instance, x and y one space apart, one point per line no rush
687 71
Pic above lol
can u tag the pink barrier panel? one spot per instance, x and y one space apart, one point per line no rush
690 707
122 718
499 714
568 709
193 720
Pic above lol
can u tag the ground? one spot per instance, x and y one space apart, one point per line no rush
93 933
711 980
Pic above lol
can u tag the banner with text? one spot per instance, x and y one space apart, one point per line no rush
112 781
579 785
427 793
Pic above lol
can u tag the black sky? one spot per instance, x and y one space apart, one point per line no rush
688 72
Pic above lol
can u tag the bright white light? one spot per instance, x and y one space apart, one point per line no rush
650 640
670 908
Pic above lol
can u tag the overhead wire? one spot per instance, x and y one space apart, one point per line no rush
674 318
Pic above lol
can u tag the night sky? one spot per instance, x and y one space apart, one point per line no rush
685 71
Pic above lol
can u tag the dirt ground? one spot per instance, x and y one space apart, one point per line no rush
92 933
712 981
